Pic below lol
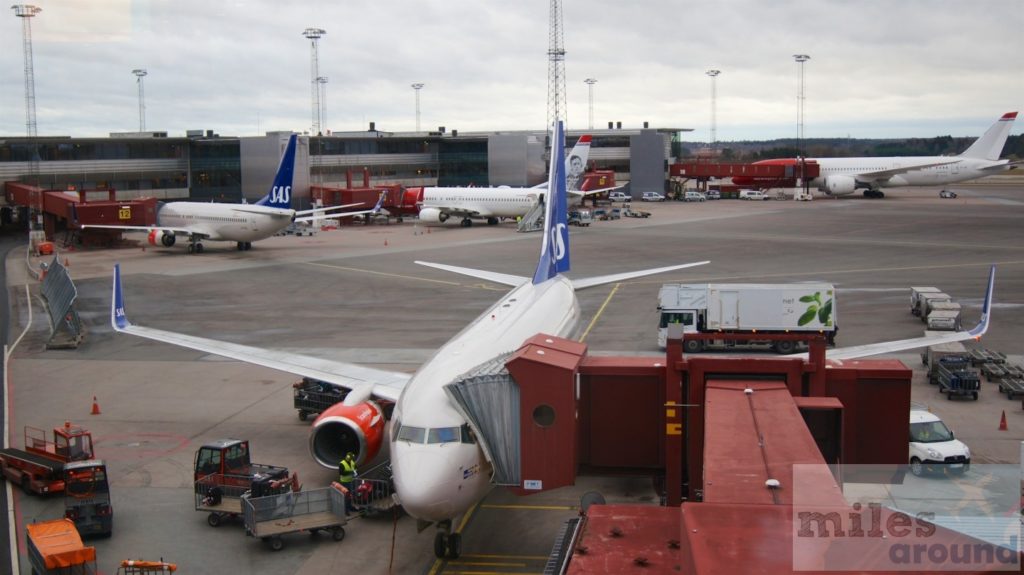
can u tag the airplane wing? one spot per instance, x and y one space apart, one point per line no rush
363 382
179 231
318 215
496 277
612 278
1002 166
870 349
326 209
886 174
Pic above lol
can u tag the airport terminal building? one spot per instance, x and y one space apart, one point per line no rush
205 166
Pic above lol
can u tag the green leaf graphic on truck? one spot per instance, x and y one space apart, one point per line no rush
816 309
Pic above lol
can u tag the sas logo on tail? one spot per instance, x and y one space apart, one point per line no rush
557 241
280 194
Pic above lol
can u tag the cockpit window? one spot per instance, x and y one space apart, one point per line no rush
412 434
443 435
467 434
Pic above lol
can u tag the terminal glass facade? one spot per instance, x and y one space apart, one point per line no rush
215 170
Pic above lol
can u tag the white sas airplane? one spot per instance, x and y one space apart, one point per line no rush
843 176
440 467
437 205
240 223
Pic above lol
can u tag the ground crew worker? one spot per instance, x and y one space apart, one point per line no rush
347 477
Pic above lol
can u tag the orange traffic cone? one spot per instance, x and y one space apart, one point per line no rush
95 406
1002 422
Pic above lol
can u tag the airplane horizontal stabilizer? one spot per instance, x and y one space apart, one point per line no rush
496 277
925 341
362 381
585 283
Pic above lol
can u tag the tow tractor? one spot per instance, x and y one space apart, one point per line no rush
39 468
87 497
223 473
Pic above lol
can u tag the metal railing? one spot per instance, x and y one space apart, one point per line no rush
60 294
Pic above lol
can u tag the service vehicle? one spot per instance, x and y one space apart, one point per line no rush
55 548
39 467
954 376
693 197
947 194
619 197
629 212
933 448
223 473
272 516
652 197
714 195
87 497
580 218
747 309
752 195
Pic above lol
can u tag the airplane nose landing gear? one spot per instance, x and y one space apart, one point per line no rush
447 545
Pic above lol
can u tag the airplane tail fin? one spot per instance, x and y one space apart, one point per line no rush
554 252
990 145
576 163
280 195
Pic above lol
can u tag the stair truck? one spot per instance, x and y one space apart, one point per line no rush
39 467
747 309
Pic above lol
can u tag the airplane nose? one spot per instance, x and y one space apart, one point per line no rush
424 482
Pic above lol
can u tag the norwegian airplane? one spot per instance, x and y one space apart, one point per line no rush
240 223
844 176
441 467
440 204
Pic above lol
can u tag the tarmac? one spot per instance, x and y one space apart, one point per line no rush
355 294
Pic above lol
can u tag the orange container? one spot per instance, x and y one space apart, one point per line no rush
45 248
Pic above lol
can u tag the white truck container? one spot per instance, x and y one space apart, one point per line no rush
944 315
931 300
747 308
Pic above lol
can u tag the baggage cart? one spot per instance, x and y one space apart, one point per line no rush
55 548
982 356
1012 386
313 397
270 517
221 495
955 377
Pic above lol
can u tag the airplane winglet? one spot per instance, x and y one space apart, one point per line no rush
986 306
118 318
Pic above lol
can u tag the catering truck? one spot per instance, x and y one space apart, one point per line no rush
747 309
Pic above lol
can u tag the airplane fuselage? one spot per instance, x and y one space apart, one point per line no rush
438 481
953 170
501 202
225 222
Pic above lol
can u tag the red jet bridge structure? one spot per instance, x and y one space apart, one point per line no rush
757 175
69 210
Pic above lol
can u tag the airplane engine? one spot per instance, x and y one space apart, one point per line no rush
344 428
432 215
839 185
158 238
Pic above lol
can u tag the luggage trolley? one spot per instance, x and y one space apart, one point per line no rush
313 397
270 517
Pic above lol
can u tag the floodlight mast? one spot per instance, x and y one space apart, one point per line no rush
590 100
140 73
26 12
714 97
314 35
800 59
417 87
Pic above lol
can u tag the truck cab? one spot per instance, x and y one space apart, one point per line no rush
933 448
87 497
686 319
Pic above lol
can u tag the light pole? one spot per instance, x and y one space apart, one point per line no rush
417 87
714 96
322 82
314 35
590 99
140 73
800 59
26 12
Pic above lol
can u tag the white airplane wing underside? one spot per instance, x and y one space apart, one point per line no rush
881 175
612 278
363 382
870 349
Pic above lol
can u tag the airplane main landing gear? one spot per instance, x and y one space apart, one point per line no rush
467 223
447 545
492 221
874 194
195 248
244 246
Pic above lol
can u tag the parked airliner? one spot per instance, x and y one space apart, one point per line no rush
440 467
441 203
843 176
240 223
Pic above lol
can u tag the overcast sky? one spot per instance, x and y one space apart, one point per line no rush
886 68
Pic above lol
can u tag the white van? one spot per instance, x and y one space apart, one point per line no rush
693 197
933 449
619 197
752 195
